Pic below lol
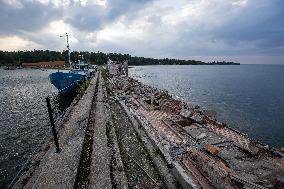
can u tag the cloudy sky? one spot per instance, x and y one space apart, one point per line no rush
246 31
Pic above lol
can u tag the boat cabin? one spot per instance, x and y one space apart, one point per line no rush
80 66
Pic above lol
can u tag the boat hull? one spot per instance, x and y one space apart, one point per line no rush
66 83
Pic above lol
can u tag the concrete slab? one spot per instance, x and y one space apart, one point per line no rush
100 167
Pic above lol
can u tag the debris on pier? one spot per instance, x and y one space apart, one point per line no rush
117 67
209 151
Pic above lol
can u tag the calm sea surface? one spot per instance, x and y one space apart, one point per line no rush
249 98
24 123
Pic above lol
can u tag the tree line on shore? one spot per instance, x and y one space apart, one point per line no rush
16 58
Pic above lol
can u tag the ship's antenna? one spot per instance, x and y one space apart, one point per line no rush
68 49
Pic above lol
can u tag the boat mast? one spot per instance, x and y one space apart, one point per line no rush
68 48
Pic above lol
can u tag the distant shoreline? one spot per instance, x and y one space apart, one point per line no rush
17 58
206 64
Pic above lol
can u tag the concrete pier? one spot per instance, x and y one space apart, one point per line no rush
58 170
123 134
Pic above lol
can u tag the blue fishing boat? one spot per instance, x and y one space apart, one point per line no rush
68 80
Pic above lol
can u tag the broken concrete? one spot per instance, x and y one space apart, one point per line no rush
186 134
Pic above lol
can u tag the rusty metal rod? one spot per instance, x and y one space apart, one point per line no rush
52 124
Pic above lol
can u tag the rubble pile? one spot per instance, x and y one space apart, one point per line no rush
210 152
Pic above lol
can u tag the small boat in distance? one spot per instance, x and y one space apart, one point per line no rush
68 80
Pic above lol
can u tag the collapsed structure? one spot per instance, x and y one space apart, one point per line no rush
208 153
117 67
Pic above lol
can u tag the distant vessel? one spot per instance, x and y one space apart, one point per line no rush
67 81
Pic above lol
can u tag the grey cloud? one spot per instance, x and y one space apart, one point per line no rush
94 17
261 24
256 29
87 18
28 20
33 16
118 7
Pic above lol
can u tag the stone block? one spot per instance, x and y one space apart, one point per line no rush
220 125
185 113
184 122
198 118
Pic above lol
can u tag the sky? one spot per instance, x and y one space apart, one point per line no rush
245 31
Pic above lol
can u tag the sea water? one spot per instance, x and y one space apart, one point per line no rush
24 122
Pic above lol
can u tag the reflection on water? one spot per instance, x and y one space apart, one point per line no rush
249 98
24 123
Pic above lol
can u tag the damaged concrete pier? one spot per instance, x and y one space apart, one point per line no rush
124 134
202 152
